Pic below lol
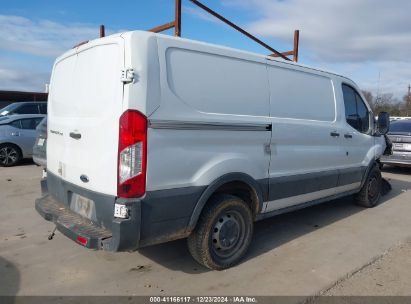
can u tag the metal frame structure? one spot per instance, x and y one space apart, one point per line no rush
176 24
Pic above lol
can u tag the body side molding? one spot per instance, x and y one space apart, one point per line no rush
188 125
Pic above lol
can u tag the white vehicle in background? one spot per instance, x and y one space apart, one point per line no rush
154 138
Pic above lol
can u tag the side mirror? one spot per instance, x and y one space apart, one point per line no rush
383 123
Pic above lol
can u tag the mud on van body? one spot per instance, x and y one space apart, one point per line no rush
155 138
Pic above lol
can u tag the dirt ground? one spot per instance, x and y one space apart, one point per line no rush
389 275
303 253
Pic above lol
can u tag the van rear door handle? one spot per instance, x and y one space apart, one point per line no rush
347 135
75 135
335 134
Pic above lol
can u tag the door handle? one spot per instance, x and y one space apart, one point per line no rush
15 133
347 135
75 135
335 134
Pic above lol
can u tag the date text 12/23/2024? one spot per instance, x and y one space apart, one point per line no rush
203 299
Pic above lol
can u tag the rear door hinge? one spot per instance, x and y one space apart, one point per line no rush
127 75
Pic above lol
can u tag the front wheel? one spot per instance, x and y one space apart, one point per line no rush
223 233
371 191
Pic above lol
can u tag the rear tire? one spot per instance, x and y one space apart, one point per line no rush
223 233
10 155
370 193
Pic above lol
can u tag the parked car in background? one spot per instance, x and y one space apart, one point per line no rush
39 148
30 107
17 137
400 136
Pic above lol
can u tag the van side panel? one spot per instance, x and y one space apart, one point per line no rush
301 95
225 103
305 158
212 121
212 83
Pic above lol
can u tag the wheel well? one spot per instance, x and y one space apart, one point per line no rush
242 190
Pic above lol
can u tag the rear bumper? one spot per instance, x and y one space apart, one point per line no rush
160 216
398 159
73 225
107 233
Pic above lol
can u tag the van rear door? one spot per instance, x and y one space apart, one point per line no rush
85 104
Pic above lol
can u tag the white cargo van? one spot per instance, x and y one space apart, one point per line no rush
153 138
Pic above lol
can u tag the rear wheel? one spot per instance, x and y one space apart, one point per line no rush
223 233
371 191
10 155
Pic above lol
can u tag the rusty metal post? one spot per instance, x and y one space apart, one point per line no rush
296 45
177 30
162 28
177 22
236 27
102 31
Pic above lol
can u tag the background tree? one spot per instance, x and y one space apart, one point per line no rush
407 102
369 97
388 103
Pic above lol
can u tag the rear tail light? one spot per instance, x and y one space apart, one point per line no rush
82 240
132 155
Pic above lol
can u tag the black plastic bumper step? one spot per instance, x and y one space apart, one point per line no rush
71 224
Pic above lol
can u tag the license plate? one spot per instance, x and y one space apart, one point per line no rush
406 147
83 206
40 142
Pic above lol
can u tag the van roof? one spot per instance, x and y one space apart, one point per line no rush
206 44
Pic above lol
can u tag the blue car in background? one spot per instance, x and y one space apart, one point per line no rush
17 137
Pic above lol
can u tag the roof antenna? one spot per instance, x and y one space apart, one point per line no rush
378 97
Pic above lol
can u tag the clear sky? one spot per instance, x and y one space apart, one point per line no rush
366 40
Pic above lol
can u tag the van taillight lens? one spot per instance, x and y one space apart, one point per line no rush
132 155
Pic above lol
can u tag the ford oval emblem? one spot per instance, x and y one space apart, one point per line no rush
84 178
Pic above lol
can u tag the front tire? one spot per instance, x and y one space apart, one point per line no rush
223 233
370 193
10 155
